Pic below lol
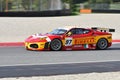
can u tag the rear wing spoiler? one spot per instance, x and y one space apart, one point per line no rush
103 29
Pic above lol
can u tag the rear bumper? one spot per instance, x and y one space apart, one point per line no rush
109 44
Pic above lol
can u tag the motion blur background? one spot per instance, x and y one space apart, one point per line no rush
21 18
56 7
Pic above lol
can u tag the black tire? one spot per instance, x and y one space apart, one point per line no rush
102 44
56 45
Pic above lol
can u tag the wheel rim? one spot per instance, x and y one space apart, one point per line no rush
56 45
102 44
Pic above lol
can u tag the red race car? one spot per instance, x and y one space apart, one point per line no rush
74 38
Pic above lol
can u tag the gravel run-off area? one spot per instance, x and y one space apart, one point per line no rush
86 76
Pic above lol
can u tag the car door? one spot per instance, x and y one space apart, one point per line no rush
82 38
69 39
72 39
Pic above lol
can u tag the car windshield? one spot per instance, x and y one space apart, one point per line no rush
58 31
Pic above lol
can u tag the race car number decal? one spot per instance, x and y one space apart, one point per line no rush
68 41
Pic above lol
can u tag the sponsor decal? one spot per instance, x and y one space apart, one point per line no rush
84 41
42 37
38 36
77 46
94 44
68 48
86 46
48 39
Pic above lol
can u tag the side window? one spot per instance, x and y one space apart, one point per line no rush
86 31
73 31
79 31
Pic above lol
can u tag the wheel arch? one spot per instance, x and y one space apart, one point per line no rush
58 39
102 38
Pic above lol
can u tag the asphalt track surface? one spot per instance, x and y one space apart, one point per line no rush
18 62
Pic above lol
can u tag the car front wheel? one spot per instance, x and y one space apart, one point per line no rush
56 45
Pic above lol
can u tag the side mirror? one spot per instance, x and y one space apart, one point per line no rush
69 33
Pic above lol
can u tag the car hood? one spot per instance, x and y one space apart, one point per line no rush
41 38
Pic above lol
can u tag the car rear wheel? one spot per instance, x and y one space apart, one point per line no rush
102 44
56 45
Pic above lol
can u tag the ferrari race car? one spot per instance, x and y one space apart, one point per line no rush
74 38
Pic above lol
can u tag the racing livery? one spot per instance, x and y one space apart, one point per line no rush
74 38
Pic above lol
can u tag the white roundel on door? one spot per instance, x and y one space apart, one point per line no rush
68 41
